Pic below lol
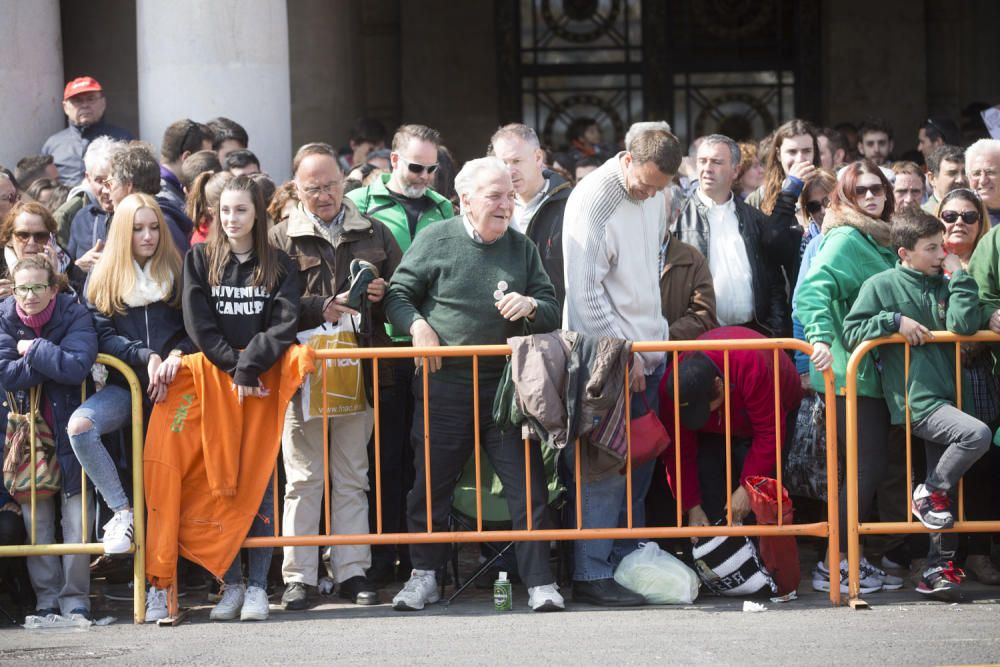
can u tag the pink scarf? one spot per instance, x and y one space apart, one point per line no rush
38 320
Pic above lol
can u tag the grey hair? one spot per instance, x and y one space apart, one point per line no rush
99 152
519 130
734 148
466 179
979 149
642 126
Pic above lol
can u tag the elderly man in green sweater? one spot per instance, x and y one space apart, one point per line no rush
471 280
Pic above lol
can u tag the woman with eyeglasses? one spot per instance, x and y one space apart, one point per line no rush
48 340
29 229
967 234
855 246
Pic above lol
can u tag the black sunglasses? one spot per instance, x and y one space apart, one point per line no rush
39 237
814 207
877 190
418 168
968 217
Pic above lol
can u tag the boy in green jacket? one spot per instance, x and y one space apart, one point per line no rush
913 299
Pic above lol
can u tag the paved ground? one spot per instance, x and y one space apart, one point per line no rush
901 628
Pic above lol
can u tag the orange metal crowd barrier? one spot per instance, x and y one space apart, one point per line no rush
855 528
824 529
138 502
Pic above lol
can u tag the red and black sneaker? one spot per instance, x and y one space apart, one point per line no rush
933 508
942 582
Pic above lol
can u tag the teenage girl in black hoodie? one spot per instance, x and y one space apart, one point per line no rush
241 305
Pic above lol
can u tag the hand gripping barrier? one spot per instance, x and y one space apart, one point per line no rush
138 501
854 526
825 529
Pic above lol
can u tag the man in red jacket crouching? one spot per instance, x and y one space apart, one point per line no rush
703 424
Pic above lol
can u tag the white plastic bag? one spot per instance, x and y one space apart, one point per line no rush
658 576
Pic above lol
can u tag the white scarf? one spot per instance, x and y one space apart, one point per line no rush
146 290
10 258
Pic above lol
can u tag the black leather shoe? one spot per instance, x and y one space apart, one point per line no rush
295 597
359 590
606 593
381 572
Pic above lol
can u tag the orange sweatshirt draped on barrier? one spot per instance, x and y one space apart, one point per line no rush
208 459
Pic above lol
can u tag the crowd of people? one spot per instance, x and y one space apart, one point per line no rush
201 274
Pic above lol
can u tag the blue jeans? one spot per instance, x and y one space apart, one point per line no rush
260 557
603 501
108 410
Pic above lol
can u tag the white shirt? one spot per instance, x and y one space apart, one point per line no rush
728 262
474 233
523 213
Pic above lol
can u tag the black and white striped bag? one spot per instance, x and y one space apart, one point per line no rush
730 566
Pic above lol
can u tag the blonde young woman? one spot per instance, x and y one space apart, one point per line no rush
133 293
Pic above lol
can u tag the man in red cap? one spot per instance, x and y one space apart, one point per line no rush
703 422
84 104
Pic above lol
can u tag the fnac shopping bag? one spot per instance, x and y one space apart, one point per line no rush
345 385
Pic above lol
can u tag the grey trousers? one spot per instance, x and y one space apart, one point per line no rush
60 582
954 441
964 439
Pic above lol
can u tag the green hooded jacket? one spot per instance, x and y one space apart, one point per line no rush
933 301
854 248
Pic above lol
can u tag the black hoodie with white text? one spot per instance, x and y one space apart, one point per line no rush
243 329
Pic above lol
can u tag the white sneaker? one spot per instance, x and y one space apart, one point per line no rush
118 533
546 598
255 606
889 582
156 604
229 607
821 579
420 590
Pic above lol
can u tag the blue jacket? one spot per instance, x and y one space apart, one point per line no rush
60 361
133 336
68 146
90 225
179 223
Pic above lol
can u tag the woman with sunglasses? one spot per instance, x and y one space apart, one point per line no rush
813 204
29 229
968 235
47 339
855 246
8 192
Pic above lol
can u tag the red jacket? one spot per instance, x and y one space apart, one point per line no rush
751 402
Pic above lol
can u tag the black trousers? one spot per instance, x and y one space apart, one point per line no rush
873 458
452 439
396 459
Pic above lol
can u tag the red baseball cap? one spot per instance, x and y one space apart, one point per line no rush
84 84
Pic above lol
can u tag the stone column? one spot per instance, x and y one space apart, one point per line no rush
31 77
227 58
